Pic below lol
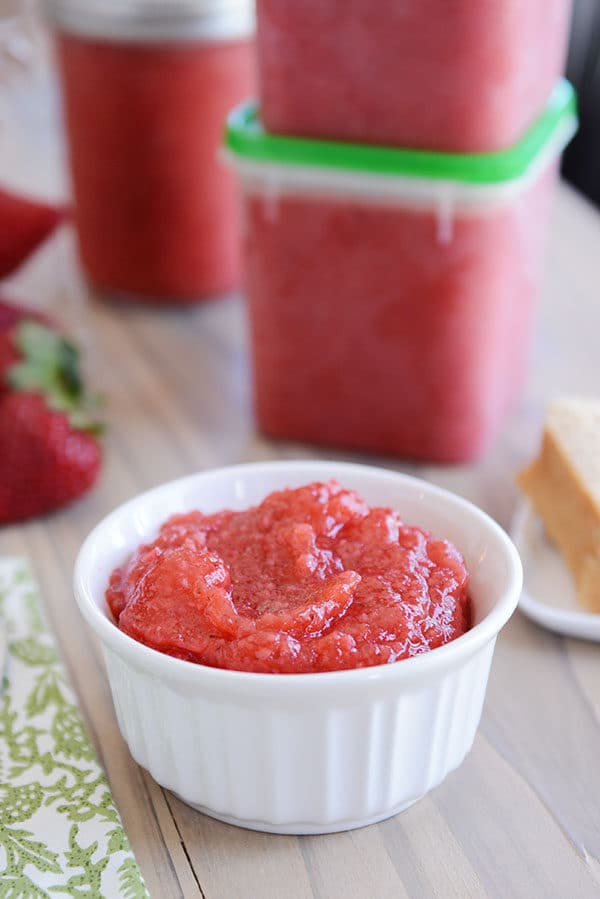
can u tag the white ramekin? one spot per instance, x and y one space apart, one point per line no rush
305 753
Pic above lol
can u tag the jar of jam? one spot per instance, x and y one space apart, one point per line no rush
147 86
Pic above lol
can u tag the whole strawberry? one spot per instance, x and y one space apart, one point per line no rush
26 224
49 453
44 461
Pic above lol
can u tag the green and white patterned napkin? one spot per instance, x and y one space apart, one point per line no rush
60 832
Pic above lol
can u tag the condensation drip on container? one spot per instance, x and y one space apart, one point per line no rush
445 216
271 200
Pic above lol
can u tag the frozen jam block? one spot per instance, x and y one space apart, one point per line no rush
467 75
564 486
387 326
156 207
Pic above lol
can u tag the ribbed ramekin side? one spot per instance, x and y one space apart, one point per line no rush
296 766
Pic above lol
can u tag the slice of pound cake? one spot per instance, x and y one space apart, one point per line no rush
563 484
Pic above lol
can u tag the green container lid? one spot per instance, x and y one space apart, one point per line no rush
246 138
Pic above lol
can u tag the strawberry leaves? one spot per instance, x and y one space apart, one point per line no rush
49 364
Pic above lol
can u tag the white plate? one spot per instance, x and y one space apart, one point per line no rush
548 596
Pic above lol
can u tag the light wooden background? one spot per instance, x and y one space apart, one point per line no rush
521 817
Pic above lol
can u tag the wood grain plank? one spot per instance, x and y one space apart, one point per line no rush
541 724
585 666
233 863
515 844
428 856
179 857
352 864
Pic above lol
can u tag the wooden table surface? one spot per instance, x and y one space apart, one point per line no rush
521 817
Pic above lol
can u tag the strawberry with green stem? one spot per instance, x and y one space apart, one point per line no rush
49 451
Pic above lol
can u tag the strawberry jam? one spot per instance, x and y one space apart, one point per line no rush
310 580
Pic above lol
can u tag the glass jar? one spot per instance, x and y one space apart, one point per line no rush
147 86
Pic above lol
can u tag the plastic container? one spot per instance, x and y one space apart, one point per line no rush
468 75
391 292
301 753
147 87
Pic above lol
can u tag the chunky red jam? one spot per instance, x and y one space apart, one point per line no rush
310 580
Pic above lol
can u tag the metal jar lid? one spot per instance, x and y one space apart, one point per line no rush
153 20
